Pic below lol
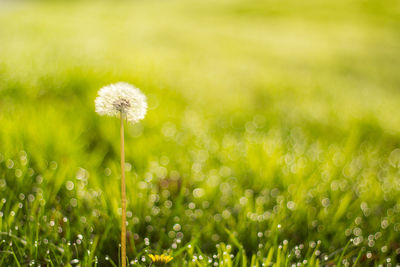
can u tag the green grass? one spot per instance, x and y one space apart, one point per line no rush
272 136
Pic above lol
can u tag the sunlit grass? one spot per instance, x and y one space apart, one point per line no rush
272 134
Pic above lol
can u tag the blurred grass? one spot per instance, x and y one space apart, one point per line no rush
268 121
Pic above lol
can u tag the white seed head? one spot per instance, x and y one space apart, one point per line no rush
121 98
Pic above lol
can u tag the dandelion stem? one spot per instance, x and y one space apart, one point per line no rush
123 196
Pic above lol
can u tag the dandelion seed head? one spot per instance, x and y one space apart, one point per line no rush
121 98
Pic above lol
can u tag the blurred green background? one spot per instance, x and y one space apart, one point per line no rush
271 125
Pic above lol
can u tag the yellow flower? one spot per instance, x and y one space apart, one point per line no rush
159 260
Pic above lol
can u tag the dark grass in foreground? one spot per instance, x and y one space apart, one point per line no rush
272 135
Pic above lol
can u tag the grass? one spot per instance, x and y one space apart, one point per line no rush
272 135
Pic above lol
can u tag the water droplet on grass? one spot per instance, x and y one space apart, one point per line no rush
74 261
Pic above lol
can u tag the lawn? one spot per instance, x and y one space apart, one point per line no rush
272 136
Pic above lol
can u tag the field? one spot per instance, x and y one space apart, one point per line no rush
272 136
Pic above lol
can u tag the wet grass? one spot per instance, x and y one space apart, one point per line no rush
272 135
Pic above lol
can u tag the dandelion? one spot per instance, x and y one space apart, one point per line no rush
160 260
128 103
121 98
